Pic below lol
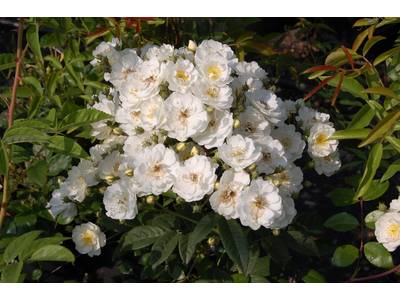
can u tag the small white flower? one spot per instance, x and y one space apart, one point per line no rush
318 146
288 212
181 75
289 179
110 165
88 239
259 204
395 205
155 169
161 53
273 155
231 185
186 116
106 49
127 63
58 205
120 201
387 230
239 152
215 69
293 106
268 105
195 178
291 141
218 97
253 125
310 117
185 53
219 128
253 84
210 47
134 144
250 69
328 164
76 185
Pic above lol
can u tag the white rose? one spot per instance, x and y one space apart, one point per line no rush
387 230
88 239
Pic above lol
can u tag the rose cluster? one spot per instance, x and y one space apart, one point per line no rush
199 122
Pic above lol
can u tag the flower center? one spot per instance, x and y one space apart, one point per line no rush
135 115
267 158
157 171
321 139
181 76
212 92
287 143
150 112
393 231
214 72
87 238
257 207
212 124
81 179
237 152
183 115
193 177
227 196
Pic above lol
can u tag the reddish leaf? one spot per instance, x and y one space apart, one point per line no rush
130 24
348 57
323 68
323 82
148 19
99 31
337 89
118 33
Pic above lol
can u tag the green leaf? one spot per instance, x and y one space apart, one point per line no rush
372 217
372 41
342 222
379 90
52 253
33 84
57 164
7 62
248 35
53 62
262 266
300 242
186 250
51 83
32 35
359 133
342 196
41 124
344 256
240 278
19 154
373 163
393 169
393 68
254 253
40 243
235 242
258 279
376 189
66 146
34 105
351 86
16 246
394 142
83 117
141 236
83 57
378 255
74 76
386 55
276 249
37 172
203 228
163 247
21 135
362 118
259 47
11 273
22 92
312 276
167 221
36 274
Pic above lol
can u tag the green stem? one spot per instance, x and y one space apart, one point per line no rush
176 214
